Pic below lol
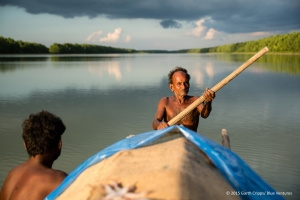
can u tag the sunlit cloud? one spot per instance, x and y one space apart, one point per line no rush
210 34
112 37
94 36
198 30
127 39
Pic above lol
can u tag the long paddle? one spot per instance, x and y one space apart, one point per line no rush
218 86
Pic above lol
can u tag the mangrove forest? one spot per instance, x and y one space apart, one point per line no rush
280 43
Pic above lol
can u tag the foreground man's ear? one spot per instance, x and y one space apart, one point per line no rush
60 144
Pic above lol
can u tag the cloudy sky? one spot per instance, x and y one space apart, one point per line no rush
147 24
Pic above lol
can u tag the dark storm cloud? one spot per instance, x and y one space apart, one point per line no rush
232 16
169 23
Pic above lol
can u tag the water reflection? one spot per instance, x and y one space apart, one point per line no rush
111 68
23 58
209 69
83 57
197 74
281 63
9 67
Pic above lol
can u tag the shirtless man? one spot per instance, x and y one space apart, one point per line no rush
35 178
169 107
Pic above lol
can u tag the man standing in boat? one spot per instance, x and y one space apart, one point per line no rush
35 178
169 107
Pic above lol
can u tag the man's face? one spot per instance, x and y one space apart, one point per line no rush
180 85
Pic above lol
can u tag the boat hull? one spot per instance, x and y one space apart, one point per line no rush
173 163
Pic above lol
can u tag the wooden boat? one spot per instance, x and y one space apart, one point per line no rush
173 163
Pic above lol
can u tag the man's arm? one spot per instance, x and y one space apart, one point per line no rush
160 115
3 192
7 186
208 95
206 110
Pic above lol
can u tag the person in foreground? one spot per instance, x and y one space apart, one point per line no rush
35 178
169 107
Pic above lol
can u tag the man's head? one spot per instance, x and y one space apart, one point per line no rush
179 81
42 132
177 69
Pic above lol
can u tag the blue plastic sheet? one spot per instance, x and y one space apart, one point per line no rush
246 183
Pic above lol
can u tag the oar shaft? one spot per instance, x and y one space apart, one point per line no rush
218 86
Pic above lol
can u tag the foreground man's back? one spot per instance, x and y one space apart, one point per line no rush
30 181
35 178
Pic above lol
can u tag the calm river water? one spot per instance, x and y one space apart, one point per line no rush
104 98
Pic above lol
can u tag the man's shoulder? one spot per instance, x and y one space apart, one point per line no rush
33 172
164 99
54 179
48 179
16 171
54 175
13 177
59 172
28 178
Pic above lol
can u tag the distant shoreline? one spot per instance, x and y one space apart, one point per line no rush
279 44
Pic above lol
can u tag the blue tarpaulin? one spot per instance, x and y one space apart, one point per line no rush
247 184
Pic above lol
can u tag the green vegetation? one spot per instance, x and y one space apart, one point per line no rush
279 43
85 49
8 45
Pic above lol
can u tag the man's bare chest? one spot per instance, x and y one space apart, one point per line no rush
172 111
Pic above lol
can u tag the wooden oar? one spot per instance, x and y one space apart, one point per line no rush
217 87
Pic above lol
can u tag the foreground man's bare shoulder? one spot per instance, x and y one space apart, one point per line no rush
11 181
49 181
56 176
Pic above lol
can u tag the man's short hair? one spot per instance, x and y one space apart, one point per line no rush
42 132
176 69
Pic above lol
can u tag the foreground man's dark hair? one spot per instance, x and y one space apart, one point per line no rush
42 132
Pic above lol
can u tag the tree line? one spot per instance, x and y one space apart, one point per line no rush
279 43
8 45
85 49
